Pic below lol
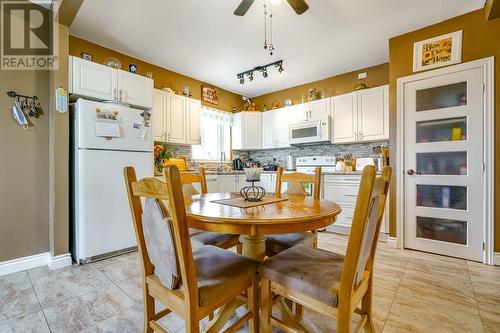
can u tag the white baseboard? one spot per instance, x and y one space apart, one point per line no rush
60 261
496 258
34 261
383 237
392 242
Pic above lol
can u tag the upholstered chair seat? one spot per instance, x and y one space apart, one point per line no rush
278 243
220 272
311 271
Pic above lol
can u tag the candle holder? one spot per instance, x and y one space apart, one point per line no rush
253 193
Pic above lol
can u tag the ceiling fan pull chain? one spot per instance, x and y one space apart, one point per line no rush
265 24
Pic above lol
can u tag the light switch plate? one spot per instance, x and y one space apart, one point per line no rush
361 76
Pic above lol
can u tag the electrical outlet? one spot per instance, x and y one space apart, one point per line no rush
361 76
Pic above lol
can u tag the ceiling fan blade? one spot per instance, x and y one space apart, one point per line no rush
243 7
300 6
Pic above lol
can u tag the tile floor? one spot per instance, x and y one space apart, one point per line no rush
414 292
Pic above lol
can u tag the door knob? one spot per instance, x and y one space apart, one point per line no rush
410 172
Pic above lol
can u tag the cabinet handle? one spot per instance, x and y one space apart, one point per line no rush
355 136
360 135
120 95
114 94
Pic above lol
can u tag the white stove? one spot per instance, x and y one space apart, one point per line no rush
308 164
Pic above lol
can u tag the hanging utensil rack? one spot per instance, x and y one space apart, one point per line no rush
13 94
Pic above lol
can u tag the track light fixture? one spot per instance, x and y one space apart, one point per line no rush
263 69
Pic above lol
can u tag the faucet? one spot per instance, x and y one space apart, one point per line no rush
222 159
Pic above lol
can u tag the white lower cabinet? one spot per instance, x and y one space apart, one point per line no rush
343 189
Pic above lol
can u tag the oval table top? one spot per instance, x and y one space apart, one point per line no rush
296 214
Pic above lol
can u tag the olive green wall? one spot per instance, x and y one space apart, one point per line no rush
335 85
161 76
24 169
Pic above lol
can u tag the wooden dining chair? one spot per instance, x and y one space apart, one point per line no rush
180 162
224 241
192 284
330 283
295 186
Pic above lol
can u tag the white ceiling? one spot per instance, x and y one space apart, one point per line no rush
204 40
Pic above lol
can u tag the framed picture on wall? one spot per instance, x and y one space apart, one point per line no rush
438 51
209 95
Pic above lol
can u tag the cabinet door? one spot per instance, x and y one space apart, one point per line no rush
93 80
281 121
176 119
297 113
135 89
373 114
226 183
345 118
251 126
212 184
319 109
158 118
268 129
236 131
193 121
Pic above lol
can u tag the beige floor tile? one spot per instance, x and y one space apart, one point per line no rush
29 323
52 286
18 303
77 313
14 282
120 268
409 314
129 321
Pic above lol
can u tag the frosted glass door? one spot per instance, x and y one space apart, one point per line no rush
444 165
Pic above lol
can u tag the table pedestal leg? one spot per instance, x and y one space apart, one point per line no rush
254 247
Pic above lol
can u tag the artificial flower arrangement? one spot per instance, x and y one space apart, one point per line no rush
160 155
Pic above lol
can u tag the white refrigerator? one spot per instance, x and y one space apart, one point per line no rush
106 138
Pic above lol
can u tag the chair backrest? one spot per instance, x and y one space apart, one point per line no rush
365 227
180 162
189 178
168 196
296 181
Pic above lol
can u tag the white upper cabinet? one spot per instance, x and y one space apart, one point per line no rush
268 132
345 118
135 89
297 113
93 80
246 132
361 116
158 118
176 119
319 109
373 114
275 128
281 121
193 114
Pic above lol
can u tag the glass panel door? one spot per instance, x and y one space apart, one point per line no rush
443 164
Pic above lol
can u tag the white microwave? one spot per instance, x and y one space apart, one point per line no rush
311 131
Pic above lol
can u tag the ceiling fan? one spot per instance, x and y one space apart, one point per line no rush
300 6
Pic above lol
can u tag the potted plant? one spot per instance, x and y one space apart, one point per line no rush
160 154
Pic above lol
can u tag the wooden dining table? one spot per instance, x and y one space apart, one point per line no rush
294 214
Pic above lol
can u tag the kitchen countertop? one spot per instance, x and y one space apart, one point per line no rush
238 172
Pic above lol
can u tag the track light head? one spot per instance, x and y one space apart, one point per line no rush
242 80
250 76
264 73
280 69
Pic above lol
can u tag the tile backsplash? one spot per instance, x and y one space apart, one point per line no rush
281 155
356 149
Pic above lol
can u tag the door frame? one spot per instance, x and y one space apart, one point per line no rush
488 66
